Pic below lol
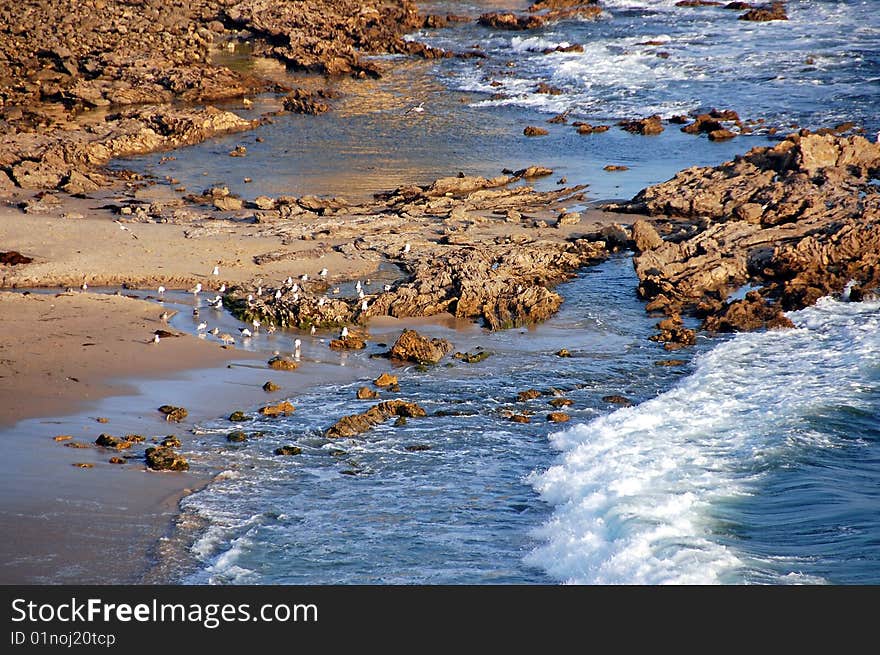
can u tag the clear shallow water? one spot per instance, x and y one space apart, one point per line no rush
756 463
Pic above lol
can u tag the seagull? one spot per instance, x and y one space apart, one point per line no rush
304 277
357 286
361 294
321 302
214 330
296 297
217 302
164 317
256 324
226 338
406 248
288 281
387 287
259 291
295 287
155 338
313 330
323 272
216 271
344 333
278 294
202 326
196 290
364 306
250 298
297 344
418 109
160 290
84 286
195 311
245 332
222 288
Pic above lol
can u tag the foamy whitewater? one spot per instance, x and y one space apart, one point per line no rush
665 492
756 461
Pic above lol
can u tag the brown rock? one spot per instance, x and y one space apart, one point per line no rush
161 458
618 400
411 346
532 130
301 101
365 393
288 450
386 379
175 414
348 343
646 126
558 417
281 364
14 258
355 424
284 408
510 21
520 418
270 386
645 236
768 12
529 394
560 402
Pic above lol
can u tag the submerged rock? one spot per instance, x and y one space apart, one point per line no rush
239 416
527 395
558 417
355 424
618 400
270 386
288 450
473 358
365 393
385 380
281 364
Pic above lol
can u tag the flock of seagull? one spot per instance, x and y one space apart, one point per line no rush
246 333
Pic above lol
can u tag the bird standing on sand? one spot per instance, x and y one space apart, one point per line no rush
323 272
344 333
155 338
84 286
278 294
226 338
304 277
259 291
406 248
364 306
164 317
321 301
289 281
196 290
216 271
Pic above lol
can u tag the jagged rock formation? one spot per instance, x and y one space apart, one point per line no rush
799 220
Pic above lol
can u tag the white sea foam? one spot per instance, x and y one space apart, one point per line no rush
635 493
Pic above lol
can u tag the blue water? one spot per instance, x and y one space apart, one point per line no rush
756 461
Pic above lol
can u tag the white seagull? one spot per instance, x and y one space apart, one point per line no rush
344 333
222 288
278 294
313 330
321 301
364 306
160 290
323 272
155 338
202 326
196 290
406 248
418 109
245 332
216 271
304 277
387 287
297 344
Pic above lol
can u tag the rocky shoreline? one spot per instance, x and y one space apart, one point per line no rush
795 222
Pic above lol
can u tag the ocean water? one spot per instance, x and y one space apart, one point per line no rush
756 461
